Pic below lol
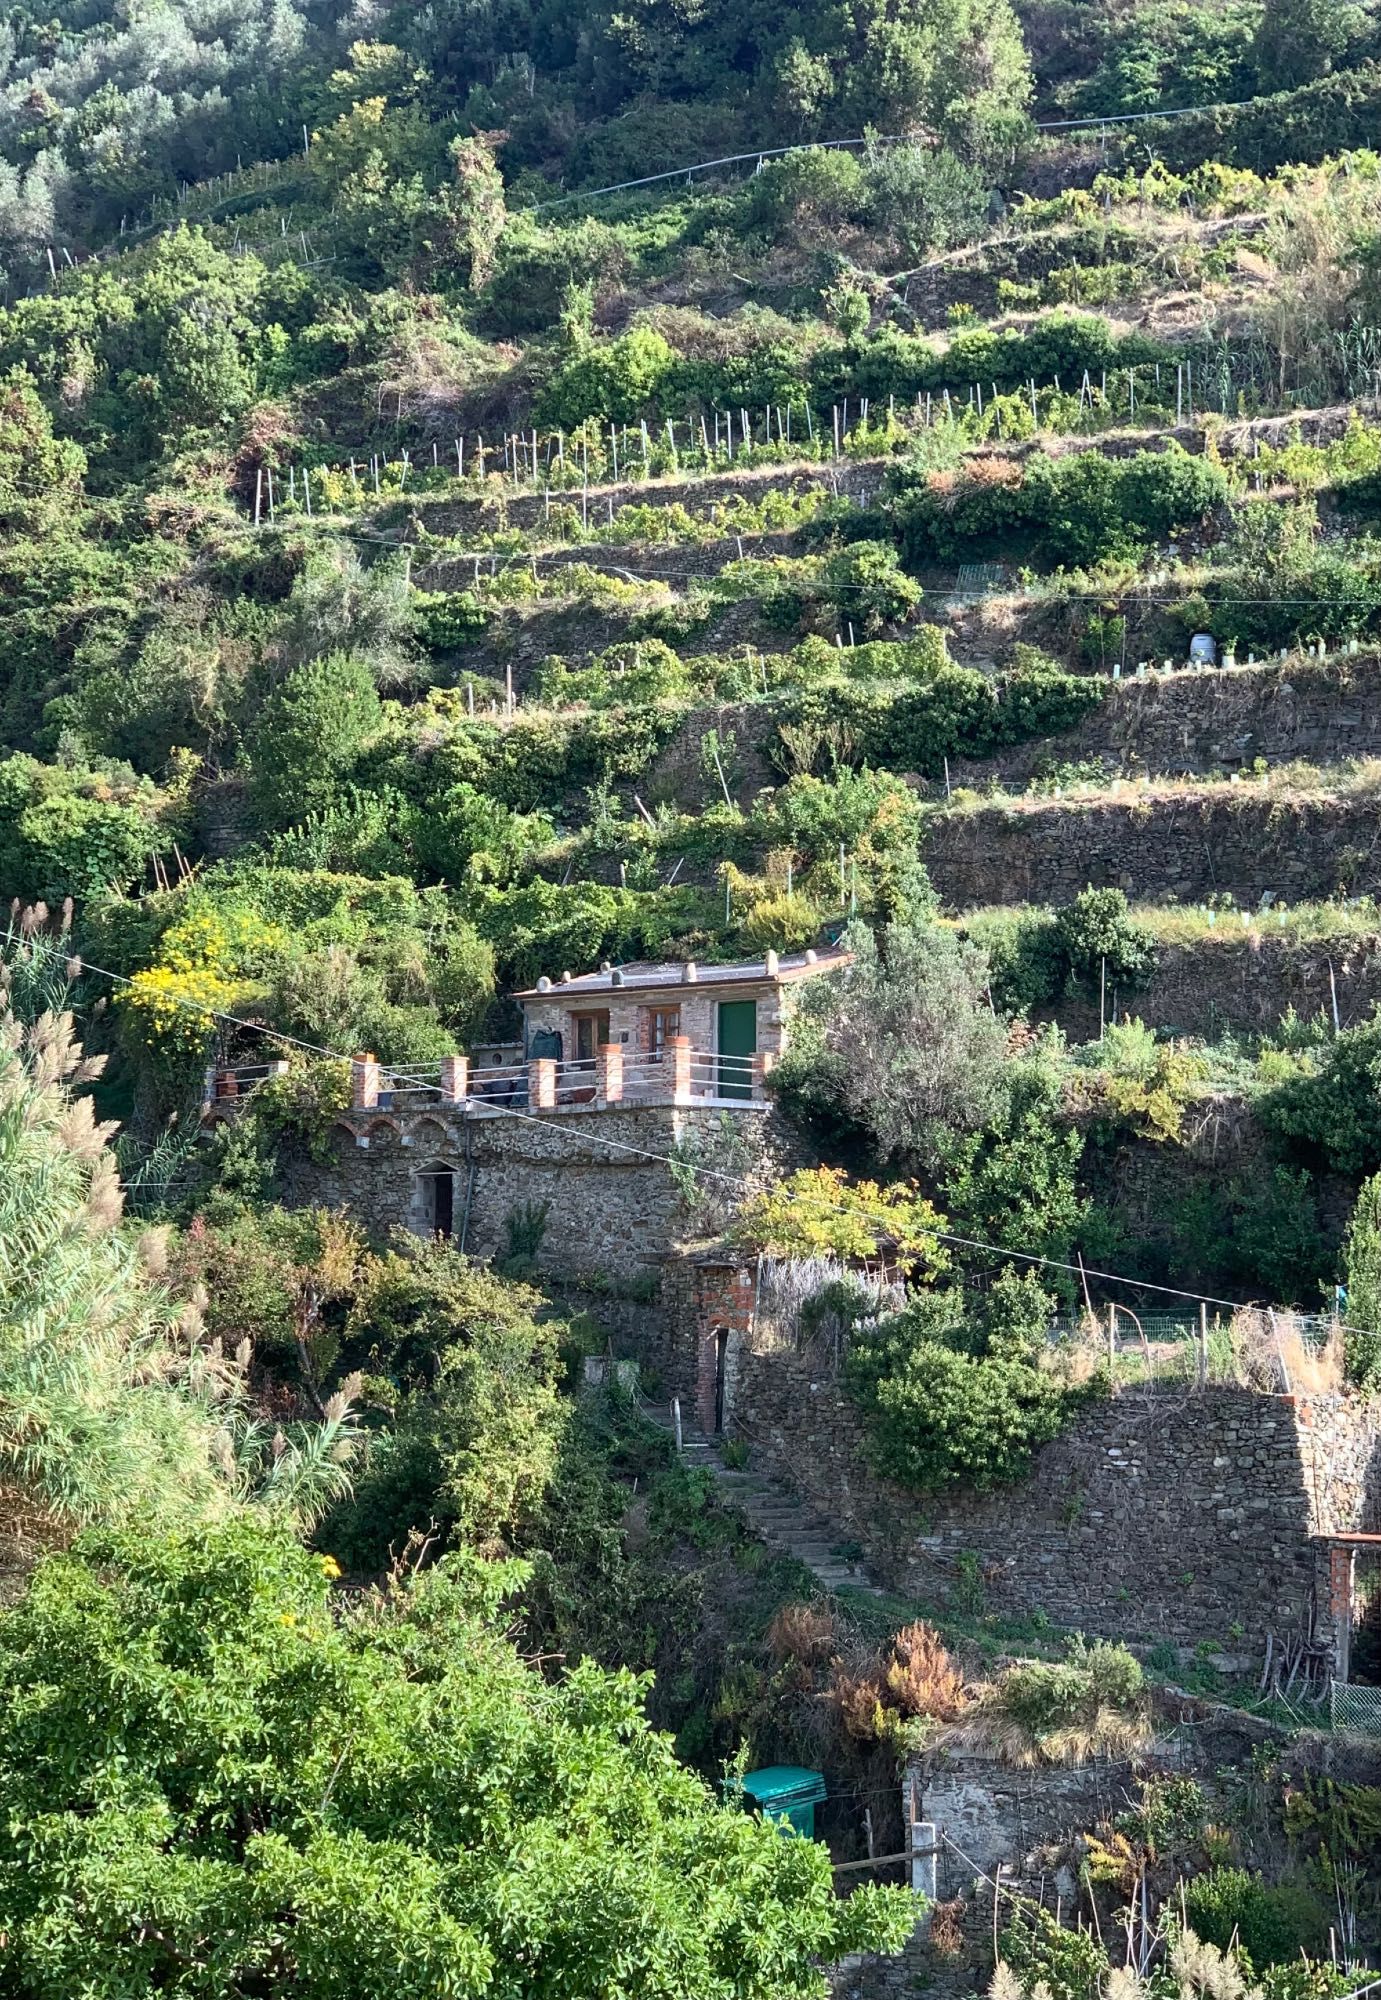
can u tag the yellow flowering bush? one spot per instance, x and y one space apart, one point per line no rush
231 939
171 1011
819 1212
204 963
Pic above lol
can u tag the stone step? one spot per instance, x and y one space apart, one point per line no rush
771 1511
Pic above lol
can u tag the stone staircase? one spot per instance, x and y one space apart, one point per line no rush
779 1517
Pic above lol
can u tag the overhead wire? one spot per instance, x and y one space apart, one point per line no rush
491 1107
1094 122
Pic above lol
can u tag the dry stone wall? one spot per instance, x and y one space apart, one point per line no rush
1154 1517
1194 722
1243 980
612 1212
1175 846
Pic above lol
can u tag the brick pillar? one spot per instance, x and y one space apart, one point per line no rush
455 1079
609 1073
364 1083
678 1068
1342 1564
541 1084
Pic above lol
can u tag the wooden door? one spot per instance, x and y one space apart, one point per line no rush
738 1044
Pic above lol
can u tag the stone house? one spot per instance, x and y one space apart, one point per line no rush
729 1023
621 1075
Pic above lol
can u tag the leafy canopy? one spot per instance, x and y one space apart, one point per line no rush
213 1786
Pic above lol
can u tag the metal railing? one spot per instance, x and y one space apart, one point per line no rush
726 1077
504 1085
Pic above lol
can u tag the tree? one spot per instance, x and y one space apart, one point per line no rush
1362 1270
477 1419
216 1783
40 475
1014 1183
817 1212
309 733
907 1041
476 204
1299 40
113 1404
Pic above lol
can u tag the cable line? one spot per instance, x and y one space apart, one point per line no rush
740 1181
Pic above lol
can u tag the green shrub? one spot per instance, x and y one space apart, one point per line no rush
66 845
1096 931
1328 1101
444 620
1079 508
617 380
1044 1697
308 735
1272 1924
938 1417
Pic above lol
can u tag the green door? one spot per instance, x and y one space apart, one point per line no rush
738 1044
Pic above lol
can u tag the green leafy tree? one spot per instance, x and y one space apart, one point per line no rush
1362 1269
904 1042
478 1420
1299 40
215 1785
1328 1101
1014 1183
40 475
308 735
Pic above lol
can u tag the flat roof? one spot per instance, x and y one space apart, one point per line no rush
650 978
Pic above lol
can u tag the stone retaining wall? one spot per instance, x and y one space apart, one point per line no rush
1211 720
1243 980
1162 1516
612 1212
1173 846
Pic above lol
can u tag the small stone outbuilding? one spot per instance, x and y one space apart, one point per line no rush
730 1021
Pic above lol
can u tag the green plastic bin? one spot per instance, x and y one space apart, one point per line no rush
789 1794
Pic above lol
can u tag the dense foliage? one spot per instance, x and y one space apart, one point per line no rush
222 1783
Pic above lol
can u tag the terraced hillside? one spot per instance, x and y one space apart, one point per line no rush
422 577
854 529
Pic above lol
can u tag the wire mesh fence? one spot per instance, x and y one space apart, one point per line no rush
1161 1328
1355 1711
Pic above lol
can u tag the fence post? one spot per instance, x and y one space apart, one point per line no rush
541 1087
679 1066
924 1842
1203 1345
454 1079
609 1073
